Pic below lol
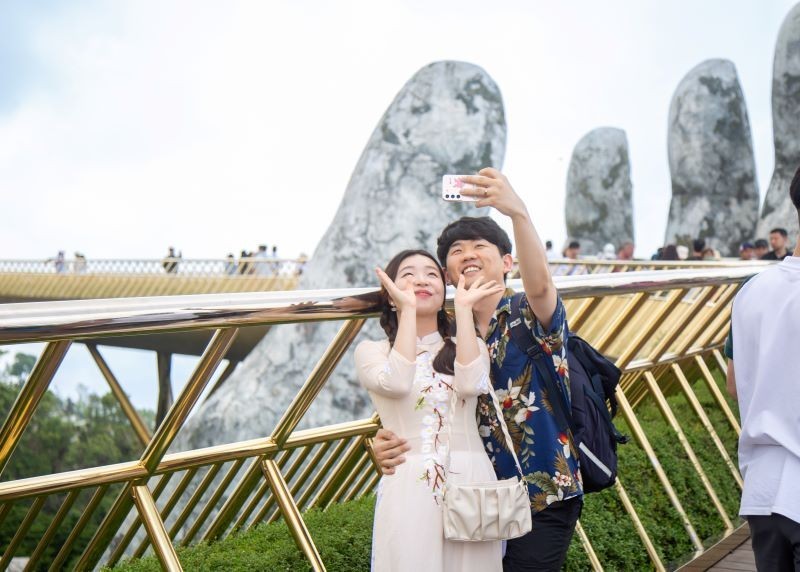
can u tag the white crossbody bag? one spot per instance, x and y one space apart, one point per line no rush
494 510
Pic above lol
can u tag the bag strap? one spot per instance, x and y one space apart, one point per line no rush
500 419
523 339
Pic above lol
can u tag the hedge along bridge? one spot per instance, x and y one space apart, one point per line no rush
662 328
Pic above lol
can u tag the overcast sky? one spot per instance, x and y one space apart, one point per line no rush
128 126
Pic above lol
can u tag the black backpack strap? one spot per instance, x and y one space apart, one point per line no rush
523 339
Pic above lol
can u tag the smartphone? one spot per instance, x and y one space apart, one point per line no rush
451 189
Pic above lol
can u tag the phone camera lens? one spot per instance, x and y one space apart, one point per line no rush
458 196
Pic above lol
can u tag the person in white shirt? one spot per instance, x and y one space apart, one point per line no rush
765 330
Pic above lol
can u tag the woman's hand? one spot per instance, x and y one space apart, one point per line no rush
402 299
467 297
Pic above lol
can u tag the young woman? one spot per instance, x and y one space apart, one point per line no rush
410 377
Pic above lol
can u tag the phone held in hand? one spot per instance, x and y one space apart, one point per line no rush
451 189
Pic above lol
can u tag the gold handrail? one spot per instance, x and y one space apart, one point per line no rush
657 324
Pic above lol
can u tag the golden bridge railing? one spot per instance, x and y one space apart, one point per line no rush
571 267
29 280
659 326
180 266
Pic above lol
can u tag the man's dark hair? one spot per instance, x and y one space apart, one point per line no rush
472 228
698 244
548 244
574 244
794 191
781 231
761 243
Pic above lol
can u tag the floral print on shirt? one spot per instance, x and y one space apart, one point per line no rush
547 455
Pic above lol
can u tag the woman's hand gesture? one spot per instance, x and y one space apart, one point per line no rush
468 297
402 299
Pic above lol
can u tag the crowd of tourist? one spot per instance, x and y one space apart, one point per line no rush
262 262
776 248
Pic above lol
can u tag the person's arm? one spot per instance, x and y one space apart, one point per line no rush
405 302
471 368
388 449
388 375
731 380
494 190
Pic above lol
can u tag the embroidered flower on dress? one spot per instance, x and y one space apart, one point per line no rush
434 398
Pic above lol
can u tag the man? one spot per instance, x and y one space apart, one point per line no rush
551 254
170 261
573 250
479 248
698 246
746 251
777 240
765 329
761 248
625 251
262 267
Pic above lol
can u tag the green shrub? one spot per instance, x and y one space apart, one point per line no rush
343 532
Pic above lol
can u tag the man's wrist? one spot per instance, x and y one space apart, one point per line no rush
521 215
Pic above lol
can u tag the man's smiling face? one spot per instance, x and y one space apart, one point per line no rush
476 258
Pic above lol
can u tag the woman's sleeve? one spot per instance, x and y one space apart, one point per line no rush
473 378
388 375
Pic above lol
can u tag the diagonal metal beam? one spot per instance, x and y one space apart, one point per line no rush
28 399
215 351
122 398
291 514
311 388
148 512
666 411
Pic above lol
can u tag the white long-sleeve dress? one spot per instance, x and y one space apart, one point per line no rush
413 401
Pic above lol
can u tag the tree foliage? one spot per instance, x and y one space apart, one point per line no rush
63 435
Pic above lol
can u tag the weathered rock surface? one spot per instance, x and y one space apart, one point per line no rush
714 190
778 210
448 118
599 207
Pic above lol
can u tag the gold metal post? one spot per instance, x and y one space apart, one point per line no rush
28 399
717 394
640 530
644 442
51 530
87 513
698 409
666 411
587 547
148 512
292 515
105 532
122 398
215 352
33 512
208 478
221 489
308 392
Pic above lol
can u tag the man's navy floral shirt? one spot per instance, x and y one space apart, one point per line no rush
547 456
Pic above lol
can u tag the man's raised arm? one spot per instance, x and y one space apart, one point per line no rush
494 190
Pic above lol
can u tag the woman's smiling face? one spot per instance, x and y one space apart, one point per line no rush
427 280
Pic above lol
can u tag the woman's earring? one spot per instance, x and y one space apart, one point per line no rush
394 308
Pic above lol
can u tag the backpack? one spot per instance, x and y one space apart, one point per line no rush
593 380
